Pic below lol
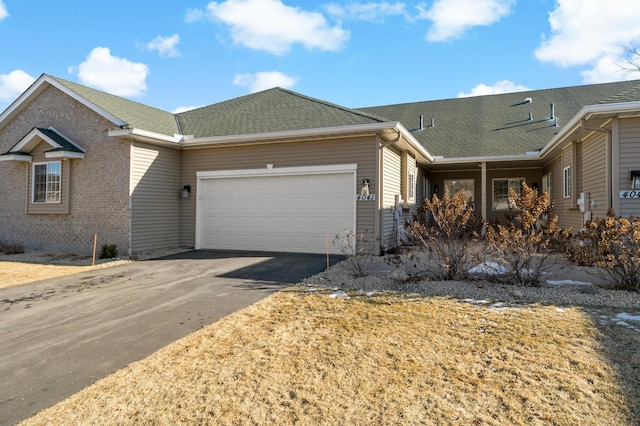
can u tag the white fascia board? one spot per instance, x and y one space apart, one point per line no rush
16 157
414 142
307 133
485 159
64 154
587 111
28 139
289 134
146 135
38 85
66 137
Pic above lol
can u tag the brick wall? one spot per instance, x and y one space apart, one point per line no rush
99 187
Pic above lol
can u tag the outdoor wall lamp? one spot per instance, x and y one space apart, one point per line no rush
364 187
635 179
186 190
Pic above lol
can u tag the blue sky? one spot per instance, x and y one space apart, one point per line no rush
183 54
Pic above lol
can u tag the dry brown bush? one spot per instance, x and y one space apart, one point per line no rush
446 231
612 244
523 241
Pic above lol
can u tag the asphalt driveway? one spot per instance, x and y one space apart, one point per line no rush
60 335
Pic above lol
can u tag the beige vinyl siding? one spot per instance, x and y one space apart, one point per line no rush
38 155
629 160
594 173
391 187
555 168
155 197
360 151
567 217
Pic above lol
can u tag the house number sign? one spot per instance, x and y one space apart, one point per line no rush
368 197
630 194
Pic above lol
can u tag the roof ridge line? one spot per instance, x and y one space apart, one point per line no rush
332 105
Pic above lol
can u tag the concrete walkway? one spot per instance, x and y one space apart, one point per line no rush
63 334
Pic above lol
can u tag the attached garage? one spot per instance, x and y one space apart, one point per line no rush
294 209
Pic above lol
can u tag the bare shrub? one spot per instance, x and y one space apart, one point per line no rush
357 249
613 244
523 241
445 232
10 248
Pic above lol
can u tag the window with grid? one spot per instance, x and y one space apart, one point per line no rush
501 187
47 179
452 186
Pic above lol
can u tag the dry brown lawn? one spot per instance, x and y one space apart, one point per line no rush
306 358
301 357
18 273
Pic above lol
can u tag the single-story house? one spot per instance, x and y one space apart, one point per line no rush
280 171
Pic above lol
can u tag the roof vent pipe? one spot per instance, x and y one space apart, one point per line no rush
421 121
552 112
530 116
433 122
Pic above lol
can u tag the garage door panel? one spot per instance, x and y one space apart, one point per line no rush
276 213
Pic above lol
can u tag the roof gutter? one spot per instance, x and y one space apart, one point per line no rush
413 142
287 134
585 113
486 159
146 135
186 141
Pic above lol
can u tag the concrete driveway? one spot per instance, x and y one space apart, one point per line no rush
60 335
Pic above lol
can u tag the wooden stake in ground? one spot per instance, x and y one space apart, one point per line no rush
95 243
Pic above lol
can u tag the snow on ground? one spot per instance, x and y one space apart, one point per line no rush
567 282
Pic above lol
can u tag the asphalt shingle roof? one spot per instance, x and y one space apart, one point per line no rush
65 144
272 110
135 114
492 125
496 125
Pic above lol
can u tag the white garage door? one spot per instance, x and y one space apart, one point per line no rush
286 212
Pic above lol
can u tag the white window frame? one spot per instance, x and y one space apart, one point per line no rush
566 182
547 185
412 186
52 188
518 180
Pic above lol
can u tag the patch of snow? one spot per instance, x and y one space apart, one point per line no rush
476 301
339 293
488 268
628 317
559 309
567 282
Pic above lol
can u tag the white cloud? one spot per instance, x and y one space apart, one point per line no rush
451 18
14 83
265 80
166 46
185 108
599 45
114 75
502 86
194 15
3 11
271 26
372 12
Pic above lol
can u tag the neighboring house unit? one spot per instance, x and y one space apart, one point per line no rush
279 171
